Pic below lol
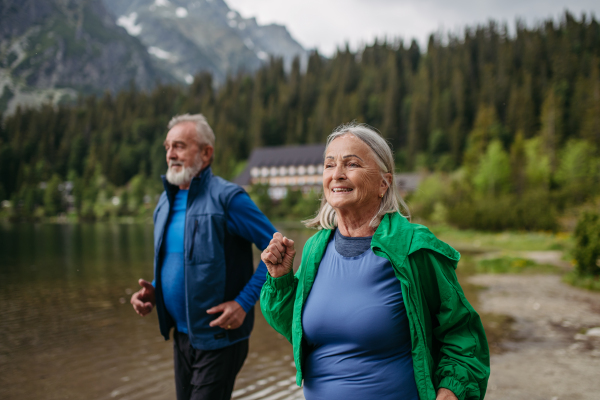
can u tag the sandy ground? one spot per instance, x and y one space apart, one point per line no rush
552 353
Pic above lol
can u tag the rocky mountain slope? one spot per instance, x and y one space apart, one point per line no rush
187 36
50 50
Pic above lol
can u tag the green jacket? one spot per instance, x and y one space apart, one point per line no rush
449 347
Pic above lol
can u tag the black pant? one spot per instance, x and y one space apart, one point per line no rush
206 374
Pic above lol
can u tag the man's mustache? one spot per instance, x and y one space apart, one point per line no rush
173 163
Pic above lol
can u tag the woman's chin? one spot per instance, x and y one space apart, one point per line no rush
346 205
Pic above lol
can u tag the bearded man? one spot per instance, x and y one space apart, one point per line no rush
204 283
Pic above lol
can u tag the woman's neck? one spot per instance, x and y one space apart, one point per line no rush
355 224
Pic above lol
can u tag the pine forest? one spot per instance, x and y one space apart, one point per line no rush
505 124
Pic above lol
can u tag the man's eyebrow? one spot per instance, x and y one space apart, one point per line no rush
165 143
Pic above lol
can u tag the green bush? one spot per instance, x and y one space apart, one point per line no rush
432 192
587 244
587 282
531 211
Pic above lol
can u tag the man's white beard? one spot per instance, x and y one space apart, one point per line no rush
185 175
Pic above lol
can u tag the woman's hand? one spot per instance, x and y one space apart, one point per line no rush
279 255
445 394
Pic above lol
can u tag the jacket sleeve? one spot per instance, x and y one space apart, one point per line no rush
463 363
277 302
244 219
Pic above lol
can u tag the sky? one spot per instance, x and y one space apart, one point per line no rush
329 24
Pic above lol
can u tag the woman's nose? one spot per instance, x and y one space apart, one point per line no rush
339 173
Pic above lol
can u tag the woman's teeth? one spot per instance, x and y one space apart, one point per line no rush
335 190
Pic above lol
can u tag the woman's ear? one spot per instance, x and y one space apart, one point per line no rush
387 180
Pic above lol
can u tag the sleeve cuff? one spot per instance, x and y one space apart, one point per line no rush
244 304
282 282
452 384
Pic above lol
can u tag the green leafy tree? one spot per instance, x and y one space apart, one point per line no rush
537 167
578 170
492 177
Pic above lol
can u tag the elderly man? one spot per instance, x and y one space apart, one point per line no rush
204 281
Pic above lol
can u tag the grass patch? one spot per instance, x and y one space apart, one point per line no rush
586 282
508 240
512 265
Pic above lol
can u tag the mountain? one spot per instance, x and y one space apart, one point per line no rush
188 36
51 50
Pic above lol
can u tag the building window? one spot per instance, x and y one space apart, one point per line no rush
274 171
292 170
301 170
282 171
320 169
264 172
254 172
311 169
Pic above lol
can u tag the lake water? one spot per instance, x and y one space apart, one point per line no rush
68 330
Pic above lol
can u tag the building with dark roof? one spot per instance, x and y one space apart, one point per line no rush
298 167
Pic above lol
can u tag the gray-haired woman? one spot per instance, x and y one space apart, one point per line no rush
375 310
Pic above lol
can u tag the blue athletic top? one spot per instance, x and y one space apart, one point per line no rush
243 219
173 284
355 324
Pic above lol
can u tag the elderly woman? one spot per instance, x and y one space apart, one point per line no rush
375 310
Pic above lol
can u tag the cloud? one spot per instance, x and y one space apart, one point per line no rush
328 24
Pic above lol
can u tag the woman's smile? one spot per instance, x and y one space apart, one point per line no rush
341 190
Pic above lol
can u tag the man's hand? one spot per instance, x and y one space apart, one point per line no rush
232 315
279 255
445 394
143 301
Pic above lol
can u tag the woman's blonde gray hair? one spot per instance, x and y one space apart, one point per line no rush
326 217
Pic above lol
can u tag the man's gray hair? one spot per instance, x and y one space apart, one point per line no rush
203 129
326 217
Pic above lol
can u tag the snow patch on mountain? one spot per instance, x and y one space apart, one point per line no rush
128 22
181 12
160 53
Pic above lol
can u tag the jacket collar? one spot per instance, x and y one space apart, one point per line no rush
198 182
393 237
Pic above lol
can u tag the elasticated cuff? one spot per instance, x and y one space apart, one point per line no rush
452 384
244 304
282 282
